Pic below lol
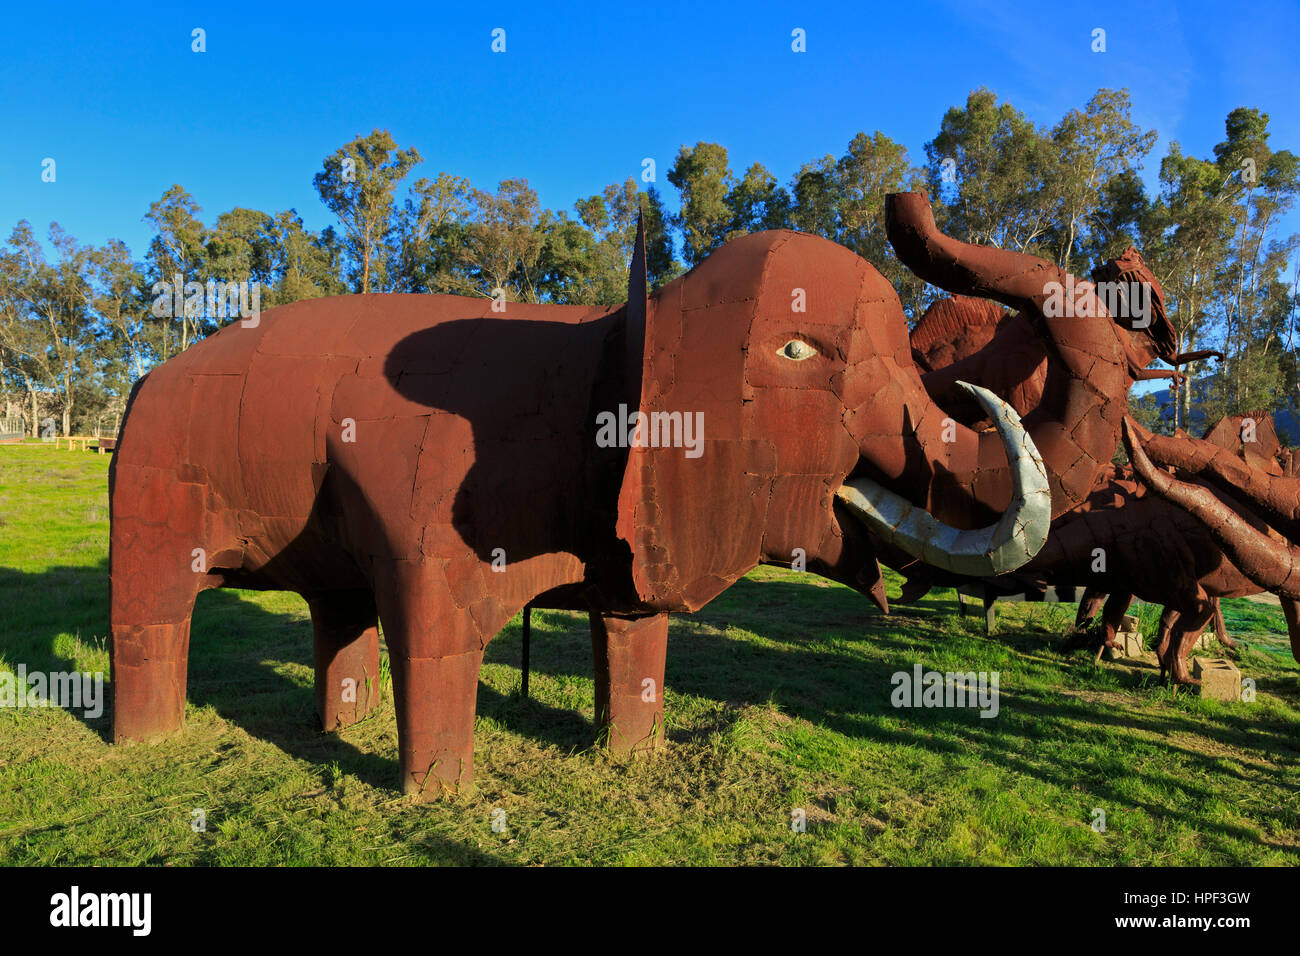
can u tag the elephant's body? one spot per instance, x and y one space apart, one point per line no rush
428 462
261 424
330 451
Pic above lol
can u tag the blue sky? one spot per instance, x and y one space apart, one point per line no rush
125 108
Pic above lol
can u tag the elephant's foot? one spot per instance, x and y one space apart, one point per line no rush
148 680
347 687
346 656
436 730
1180 677
630 654
449 775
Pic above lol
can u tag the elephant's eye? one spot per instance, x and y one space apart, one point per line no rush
796 350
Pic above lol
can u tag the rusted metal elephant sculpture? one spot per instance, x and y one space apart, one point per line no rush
1261 450
1121 541
432 463
1076 424
1250 507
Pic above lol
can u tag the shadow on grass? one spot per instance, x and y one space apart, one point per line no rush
238 652
803 659
803 662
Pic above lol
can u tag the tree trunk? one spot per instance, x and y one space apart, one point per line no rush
365 265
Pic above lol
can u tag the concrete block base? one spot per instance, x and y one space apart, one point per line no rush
1220 679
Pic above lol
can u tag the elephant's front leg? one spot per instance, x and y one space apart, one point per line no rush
435 649
347 656
630 656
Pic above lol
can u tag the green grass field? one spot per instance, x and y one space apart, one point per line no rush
777 696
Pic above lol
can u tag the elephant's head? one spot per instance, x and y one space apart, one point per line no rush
792 354
1141 306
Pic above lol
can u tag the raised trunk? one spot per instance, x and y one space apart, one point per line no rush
962 475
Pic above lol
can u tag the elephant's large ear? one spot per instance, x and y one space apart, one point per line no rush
693 511
636 314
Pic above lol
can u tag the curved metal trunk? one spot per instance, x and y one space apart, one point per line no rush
1076 425
1271 563
1276 496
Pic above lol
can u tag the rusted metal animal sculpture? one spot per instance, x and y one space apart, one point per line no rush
1094 600
435 464
1129 540
963 339
1077 422
1265 550
1261 449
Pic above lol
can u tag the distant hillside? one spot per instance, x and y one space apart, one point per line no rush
1286 419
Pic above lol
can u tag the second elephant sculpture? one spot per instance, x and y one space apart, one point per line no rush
1123 540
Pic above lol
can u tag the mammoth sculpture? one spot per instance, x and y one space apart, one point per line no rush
964 339
426 461
1256 523
1262 450
1149 548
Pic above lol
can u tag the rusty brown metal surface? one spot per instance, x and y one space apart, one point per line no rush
1262 476
953 328
971 339
1120 536
1127 542
1266 553
630 655
439 464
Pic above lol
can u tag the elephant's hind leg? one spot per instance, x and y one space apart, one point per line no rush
347 656
630 655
